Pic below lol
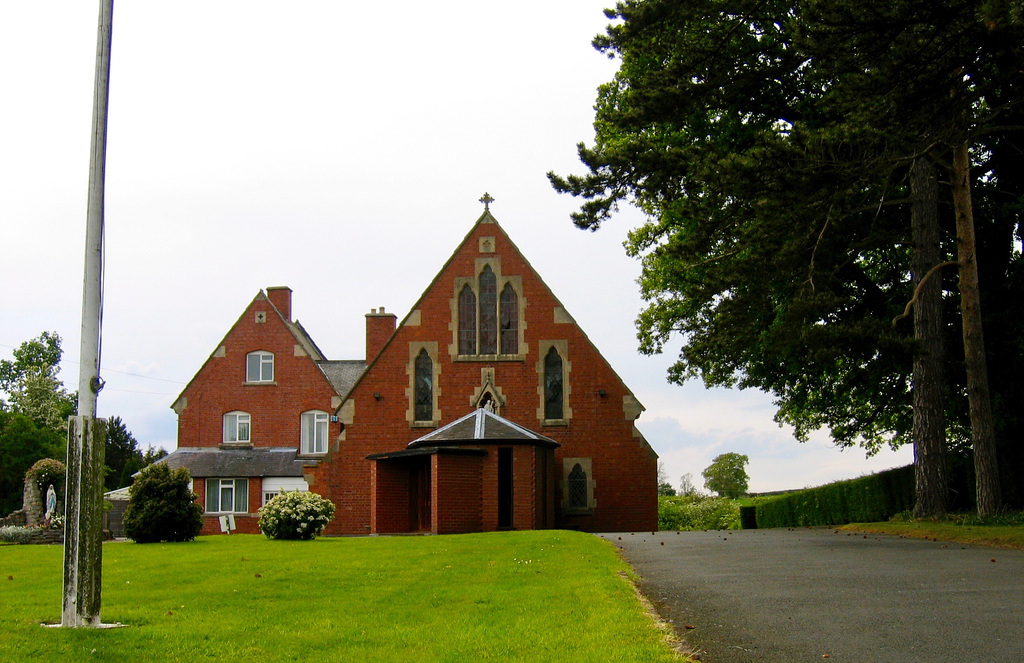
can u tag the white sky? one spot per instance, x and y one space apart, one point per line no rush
338 148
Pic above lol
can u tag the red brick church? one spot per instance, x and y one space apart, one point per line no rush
486 408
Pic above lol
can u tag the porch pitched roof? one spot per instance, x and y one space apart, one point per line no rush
482 426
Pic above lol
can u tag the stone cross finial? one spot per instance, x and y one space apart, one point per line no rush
487 200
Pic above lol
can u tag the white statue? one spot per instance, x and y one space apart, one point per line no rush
51 504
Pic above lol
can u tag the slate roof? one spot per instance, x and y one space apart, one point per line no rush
246 462
481 426
343 374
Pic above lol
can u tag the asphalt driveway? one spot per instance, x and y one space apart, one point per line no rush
814 594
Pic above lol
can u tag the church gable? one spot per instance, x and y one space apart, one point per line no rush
493 318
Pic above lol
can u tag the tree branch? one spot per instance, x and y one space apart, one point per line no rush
917 289
810 268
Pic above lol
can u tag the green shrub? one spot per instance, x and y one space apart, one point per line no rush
697 512
161 507
295 515
868 499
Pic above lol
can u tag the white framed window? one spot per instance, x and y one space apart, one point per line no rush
274 486
237 427
314 432
227 495
259 366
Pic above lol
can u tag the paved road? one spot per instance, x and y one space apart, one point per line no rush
813 594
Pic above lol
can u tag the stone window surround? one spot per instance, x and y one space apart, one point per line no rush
586 464
410 391
494 262
562 347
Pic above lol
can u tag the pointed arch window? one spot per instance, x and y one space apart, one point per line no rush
553 392
577 488
488 312
424 389
509 320
467 321
488 316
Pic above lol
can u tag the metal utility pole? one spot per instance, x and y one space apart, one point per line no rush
83 529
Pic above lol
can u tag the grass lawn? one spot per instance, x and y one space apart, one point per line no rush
527 596
1000 536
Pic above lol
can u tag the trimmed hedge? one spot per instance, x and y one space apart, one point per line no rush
867 499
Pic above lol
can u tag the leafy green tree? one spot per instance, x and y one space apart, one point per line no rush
22 443
939 76
664 487
727 475
161 507
31 383
770 145
123 456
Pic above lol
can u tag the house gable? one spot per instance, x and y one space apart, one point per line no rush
288 380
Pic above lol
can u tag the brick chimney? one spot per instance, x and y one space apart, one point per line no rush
281 297
379 328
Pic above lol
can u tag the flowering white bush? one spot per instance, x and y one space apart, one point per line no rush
17 533
295 515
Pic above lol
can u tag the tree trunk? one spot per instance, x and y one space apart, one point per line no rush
929 432
986 470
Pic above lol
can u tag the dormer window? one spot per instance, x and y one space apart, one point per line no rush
259 366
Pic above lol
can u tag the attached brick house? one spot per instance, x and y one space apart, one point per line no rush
487 408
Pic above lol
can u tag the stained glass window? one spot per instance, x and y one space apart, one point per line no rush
552 385
467 322
509 321
488 312
424 395
577 488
